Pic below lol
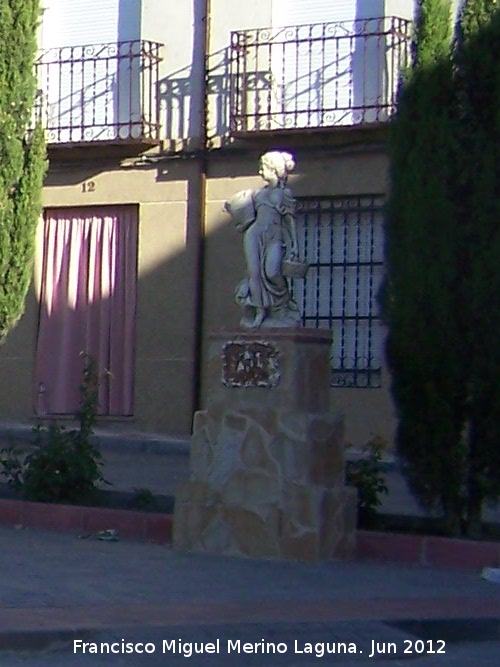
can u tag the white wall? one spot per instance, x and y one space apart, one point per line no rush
228 15
404 9
80 22
179 24
298 12
407 9
456 7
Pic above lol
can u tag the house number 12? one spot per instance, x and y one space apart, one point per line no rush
88 186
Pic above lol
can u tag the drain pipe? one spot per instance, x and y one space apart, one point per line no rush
198 222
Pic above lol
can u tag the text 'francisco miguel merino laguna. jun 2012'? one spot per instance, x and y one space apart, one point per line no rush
235 646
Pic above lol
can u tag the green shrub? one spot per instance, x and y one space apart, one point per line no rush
143 499
368 477
63 465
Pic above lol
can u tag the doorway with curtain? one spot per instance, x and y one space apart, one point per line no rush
87 272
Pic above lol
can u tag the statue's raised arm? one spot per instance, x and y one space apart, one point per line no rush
267 219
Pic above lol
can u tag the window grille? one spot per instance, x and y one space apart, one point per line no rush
341 238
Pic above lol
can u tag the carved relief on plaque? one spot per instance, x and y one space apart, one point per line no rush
252 364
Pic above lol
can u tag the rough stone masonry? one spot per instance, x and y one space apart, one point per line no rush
267 455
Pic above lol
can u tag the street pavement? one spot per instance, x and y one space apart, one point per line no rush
151 605
58 590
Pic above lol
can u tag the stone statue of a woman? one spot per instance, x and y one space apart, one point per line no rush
266 218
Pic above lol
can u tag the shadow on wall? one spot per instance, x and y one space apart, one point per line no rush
177 94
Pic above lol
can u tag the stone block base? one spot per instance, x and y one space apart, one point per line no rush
267 457
309 524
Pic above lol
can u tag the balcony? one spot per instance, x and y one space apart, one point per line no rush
316 77
104 94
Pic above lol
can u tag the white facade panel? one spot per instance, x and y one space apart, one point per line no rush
93 84
330 74
80 22
299 12
404 9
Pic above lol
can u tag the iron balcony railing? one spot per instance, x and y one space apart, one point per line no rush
315 76
99 93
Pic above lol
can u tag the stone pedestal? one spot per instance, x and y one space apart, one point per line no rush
267 463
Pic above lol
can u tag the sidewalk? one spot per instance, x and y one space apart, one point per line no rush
160 463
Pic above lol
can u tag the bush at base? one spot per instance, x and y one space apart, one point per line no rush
64 465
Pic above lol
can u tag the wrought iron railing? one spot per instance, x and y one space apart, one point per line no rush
342 240
99 92
319 75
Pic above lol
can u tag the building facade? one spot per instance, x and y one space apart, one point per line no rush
156 112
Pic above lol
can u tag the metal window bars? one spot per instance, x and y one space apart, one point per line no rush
342 239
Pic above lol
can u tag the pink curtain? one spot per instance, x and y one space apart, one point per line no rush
87 304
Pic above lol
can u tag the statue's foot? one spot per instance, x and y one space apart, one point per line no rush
254 322
259 317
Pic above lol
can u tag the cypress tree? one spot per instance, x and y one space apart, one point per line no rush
419 300
23 156
478 214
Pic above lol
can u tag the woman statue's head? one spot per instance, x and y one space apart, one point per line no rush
279 163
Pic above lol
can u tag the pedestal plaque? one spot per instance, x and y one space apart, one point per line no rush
267 460
253 363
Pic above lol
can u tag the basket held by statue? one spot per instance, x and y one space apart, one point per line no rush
293 268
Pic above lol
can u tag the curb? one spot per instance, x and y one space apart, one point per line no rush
142 444
114 441
419 550
428 551
144 526
39 629
451 630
